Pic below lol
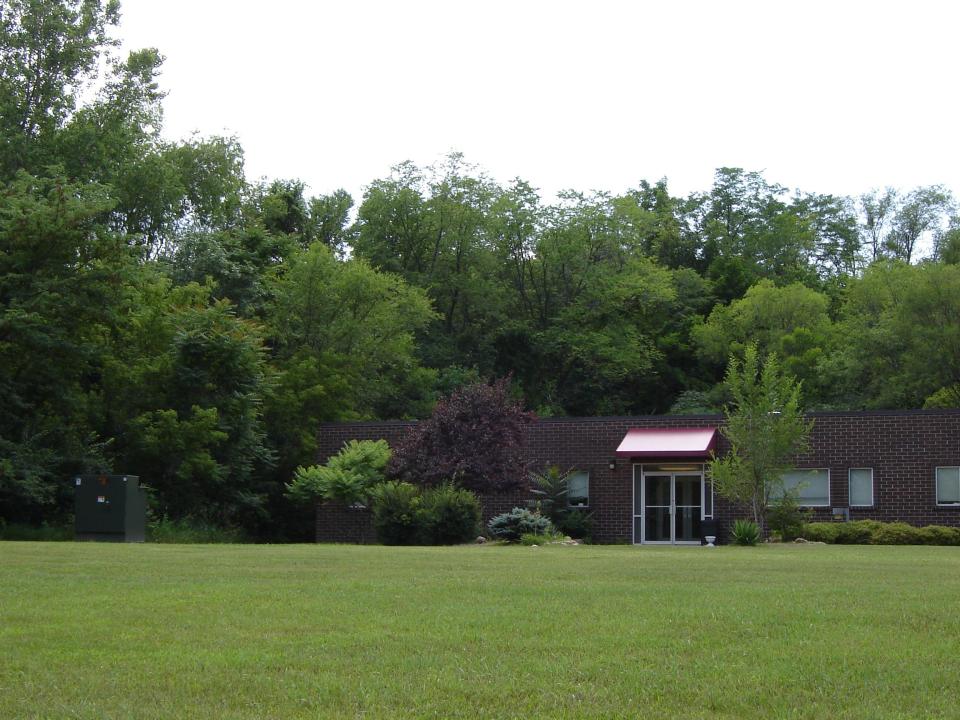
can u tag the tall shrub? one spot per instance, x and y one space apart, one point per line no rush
475 438
396 513
449 515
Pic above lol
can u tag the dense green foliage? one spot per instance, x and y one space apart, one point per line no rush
246 632
873 532
786 518
190 531
449 514
406 514
857 532
395 508
348 477
162 315
45 532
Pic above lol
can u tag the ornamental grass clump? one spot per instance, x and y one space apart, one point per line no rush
530 539
746 532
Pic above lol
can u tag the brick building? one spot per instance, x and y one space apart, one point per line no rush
643 478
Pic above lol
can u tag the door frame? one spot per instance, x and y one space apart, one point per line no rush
666 469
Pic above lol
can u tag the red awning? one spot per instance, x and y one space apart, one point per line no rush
668 442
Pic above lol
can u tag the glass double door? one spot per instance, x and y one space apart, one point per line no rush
667 506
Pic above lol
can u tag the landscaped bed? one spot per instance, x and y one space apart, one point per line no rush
256 631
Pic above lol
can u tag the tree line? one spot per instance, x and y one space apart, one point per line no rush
162 315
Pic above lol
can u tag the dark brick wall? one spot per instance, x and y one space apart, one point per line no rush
902 447
338 523
335 521
589 444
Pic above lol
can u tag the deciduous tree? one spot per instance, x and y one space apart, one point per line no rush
475 438
792 321
766 430
901 337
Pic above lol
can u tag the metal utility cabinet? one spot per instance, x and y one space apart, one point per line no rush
111 508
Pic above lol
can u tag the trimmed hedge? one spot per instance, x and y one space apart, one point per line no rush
940 535
873 532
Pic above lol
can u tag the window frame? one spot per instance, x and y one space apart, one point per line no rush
587 496
800 503
873 498
936 485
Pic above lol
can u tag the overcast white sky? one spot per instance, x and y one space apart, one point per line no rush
832 97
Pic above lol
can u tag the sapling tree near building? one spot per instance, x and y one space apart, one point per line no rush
766 429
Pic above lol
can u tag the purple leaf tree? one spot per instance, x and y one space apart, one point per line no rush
476 438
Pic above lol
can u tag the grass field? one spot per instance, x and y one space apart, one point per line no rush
247 631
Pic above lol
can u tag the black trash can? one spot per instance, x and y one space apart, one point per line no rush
112 508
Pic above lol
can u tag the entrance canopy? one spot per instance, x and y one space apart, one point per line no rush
668 442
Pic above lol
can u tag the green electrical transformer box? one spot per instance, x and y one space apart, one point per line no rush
111 508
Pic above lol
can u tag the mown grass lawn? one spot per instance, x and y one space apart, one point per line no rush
244 631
